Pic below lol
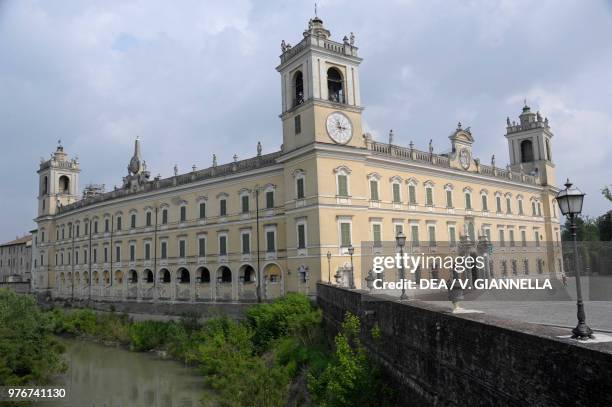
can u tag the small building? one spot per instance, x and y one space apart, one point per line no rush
16 260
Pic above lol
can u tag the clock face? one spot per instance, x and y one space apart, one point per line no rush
339 128
464 158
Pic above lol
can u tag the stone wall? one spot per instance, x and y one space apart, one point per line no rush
439 358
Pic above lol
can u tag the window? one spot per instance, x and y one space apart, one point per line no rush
147 250
511 236
297 123
376 235
539 209
78 231
270 241
244 200
148 219
468 201
117 253
202 210
298 86
487 233
269 199
485 203
526 266
86 228
301 236
133 221
537 238
223 245
202 247
164 216
526 151
63 233
431 231
222 207
182 248
520 206
471 233
76 257
105 254
246 242
399 228
299 184
429 196
335 88
342 184
183 213
508 205
449 198
164 250
374 190
396 193
132 252
502 240
524 238
345 234
498 204
118 223
106 225
414 235
452 239
95 255
533 208
412 194
84 257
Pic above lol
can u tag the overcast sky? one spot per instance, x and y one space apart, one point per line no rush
193 78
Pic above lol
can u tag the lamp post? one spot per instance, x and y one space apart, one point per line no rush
351 251
401 242
570 202
329 267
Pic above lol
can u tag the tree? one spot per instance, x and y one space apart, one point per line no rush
606 192
586 229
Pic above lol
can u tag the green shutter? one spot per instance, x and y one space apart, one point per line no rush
376 235
270 199
202 210
202 247
301 236
449 199
245 203
374 190
468 201
245 243
345 234
300 188
415 235
429 196
270 241
342 185
412 193
396 193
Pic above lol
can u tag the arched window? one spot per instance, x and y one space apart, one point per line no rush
247 274
64 185
133 277
165 276
224 275
298 85
526 151
335 86
184 276
204 275
148 276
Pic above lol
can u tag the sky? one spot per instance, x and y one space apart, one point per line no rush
193 78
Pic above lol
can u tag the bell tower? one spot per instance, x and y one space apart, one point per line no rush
320 90
58 180
530 146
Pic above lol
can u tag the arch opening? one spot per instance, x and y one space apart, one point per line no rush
148 276
164 276
133 277
224 275
203 275
247 274
298 85
184 277
64 185
526 151
335 86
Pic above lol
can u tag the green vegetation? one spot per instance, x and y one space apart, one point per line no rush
29 354
279 355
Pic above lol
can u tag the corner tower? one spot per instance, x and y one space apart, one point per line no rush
320 90
58 180
530 146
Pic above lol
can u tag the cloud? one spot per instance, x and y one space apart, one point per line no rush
196 78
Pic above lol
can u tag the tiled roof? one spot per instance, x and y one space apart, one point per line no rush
20 240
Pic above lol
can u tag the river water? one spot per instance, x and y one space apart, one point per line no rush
102 376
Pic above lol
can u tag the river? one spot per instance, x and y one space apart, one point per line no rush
102 376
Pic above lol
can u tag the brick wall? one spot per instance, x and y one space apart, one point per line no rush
438 358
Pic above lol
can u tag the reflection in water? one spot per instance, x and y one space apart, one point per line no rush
103 376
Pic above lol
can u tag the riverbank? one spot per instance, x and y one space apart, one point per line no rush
279 355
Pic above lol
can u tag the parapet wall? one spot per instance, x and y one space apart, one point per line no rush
439 358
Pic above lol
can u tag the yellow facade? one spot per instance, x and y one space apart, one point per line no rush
186 247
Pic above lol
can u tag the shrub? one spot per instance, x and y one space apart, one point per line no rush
147 335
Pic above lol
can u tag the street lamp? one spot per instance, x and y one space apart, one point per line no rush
570 202
401 242
329 267
351 251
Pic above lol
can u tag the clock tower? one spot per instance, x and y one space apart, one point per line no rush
320 90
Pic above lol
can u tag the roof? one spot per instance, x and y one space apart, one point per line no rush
21 240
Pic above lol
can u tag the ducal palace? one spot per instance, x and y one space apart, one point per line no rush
276 223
